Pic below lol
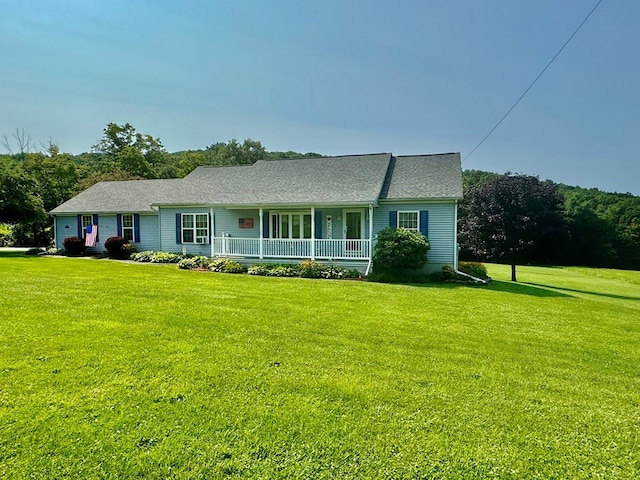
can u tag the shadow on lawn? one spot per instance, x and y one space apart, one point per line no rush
541 291
12 254
586 292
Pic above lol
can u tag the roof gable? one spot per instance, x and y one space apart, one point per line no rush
433 177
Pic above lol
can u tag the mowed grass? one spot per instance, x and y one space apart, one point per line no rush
118 370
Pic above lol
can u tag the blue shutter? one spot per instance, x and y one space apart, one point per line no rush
424 222
210 227
265 224
318 224
393 218
119 224
95 222
178 228
80 226
136 227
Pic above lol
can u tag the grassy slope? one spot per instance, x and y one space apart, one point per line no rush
112 370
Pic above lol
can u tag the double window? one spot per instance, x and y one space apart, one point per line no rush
409 220
195 228
290 225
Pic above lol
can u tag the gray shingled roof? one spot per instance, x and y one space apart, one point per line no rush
434 177
355 179
325 180
120 197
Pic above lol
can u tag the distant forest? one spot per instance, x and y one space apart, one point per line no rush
604 228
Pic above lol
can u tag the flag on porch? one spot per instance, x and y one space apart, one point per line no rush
90 237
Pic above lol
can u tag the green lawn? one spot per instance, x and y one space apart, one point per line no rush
118 370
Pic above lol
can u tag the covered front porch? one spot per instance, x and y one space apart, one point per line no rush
285 233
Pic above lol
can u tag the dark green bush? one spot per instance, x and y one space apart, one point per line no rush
73 245
399 250
446 273
475 269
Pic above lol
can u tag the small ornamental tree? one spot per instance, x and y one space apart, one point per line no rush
399 250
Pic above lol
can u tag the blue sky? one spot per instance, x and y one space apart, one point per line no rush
337 77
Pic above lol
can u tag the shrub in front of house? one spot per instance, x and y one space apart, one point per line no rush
115 247
193 263
446 274
225 265
150 256
310 269
399 251
73 245
475 269
128 249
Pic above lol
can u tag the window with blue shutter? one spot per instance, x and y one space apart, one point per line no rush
95 222
136 227
178 228
393 218
265 225
318 224
119 225
424 222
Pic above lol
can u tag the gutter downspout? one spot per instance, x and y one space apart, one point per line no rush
260 246
55 232
366 273
456 251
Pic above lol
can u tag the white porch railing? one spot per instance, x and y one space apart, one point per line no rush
292 248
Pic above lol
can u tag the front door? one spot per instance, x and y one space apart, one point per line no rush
353 228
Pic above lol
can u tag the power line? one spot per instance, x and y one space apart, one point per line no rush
533 83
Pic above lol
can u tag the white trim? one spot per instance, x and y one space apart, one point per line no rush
194 229
261 247
212 229
455 236
313 232
132 228
290 214
344 222
417 213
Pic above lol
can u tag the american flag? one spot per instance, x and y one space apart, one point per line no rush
90 237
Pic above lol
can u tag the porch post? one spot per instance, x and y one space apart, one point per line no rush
370 239
260 247
212 234
313 233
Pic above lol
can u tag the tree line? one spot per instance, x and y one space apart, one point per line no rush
506 218
519 219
